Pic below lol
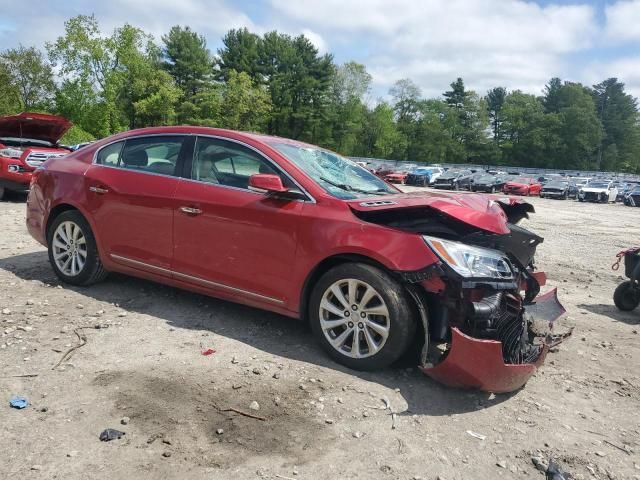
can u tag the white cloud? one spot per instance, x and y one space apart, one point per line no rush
512 43
40 21
316 39
626 70
623 21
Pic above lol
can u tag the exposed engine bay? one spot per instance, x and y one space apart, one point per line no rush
500 326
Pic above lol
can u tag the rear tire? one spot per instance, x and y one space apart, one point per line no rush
336 318
626 296
70 235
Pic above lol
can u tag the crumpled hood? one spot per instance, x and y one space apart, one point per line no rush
486 212
36 126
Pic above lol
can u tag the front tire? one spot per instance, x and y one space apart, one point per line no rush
362 316
2 191
73 252
626 296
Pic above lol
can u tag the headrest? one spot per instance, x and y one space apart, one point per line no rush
136 158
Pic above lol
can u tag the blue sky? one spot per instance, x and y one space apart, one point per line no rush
513 43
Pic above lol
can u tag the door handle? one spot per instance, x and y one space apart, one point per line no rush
190 210
98 190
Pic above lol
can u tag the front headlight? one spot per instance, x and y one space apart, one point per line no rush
10 153
471 262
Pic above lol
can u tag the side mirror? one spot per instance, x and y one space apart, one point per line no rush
272 185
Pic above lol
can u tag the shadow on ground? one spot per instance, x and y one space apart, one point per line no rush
269 332
611 311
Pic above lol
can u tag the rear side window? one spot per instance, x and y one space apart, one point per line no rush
157 154
110 155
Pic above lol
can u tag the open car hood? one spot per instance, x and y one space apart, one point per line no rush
486 212
36 126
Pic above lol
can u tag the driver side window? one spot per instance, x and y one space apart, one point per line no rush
227 163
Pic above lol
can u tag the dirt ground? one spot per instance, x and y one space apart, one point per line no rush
145 363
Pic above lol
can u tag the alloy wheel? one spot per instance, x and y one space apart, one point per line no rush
354 318
69 248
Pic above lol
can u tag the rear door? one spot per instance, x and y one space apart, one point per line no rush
131 189
229 238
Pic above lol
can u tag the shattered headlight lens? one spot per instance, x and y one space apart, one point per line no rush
471 262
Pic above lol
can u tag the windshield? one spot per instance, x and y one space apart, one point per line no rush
340 177
24 142
421 170
556 183
486 178
521 180
598 185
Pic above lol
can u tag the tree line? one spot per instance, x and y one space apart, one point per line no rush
281 85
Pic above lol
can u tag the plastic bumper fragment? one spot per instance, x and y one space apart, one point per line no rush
478 363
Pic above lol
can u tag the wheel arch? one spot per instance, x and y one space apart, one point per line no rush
55 212
323 267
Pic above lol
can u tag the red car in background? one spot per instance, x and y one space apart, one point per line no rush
301 231
396 177
523 186
26 141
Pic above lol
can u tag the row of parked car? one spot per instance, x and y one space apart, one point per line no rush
583 189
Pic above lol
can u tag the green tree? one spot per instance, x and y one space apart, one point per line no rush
30 76
551 98
123 69
619 148
525 130
351 83
242 52
9 96
245 106
380 136
466 119
495 101
406 98
187 59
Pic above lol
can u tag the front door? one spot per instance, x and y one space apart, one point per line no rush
227 237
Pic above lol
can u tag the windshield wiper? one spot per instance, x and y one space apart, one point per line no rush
349 188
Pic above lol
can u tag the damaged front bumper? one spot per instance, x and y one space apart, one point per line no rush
471 362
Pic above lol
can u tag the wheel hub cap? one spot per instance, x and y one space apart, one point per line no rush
69 247
356 340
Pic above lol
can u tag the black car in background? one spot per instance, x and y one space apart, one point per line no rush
454 179
489 183
560 189
632 198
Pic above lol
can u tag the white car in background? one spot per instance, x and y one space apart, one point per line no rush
601 191
435 173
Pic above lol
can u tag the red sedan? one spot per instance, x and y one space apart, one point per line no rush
396 177
523 186
303 232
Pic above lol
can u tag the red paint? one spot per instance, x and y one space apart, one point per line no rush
208 351
397 177
16 173
37 126
475 363
248 246
267 183
526 187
